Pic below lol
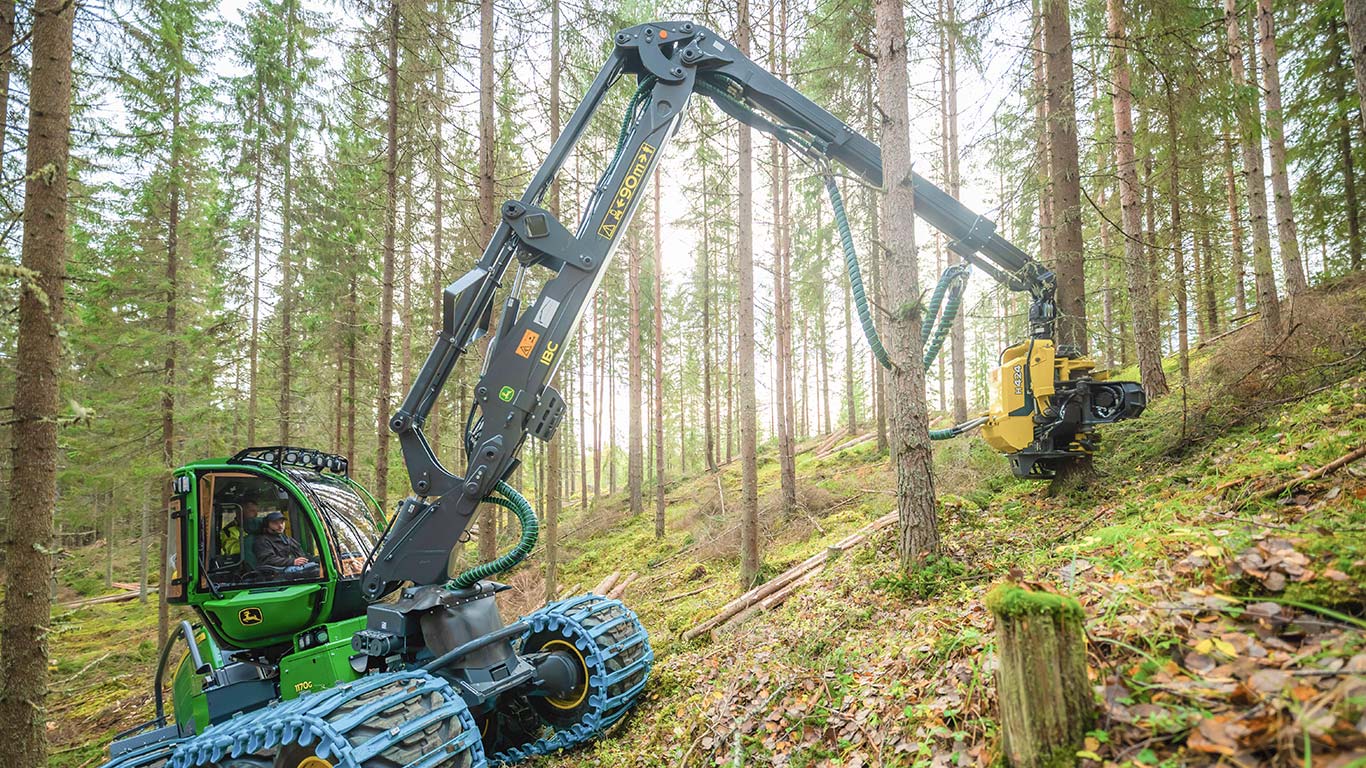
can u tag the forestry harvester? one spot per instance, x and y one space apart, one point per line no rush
329 637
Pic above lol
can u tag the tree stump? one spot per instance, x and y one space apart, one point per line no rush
1045 697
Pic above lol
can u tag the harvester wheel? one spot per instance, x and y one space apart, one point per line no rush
410 719
606 640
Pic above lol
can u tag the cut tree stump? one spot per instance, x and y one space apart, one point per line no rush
1046 700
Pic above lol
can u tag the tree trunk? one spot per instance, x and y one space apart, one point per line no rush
744 255
258 183
1239 267
635 459
958 335
850 395
38 363
1177 240
1355 12
287 235
554 492
708 435
488 525
1045 176
1065 175
1135 263
1275 130
169 367
352 324
1249 122
7 18
918 529
1339 77
386 311
659 368
1045 696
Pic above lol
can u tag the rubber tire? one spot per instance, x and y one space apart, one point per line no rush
404 752
564 717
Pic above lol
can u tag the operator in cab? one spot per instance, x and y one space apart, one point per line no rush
233 533
275 549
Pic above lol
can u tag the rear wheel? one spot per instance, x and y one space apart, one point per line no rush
398 720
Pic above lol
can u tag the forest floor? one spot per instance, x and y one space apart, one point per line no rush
1225 626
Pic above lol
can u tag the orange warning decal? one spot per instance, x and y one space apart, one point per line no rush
528 343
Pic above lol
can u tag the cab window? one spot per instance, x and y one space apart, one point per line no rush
254 532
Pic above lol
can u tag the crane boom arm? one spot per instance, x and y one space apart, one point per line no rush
670 61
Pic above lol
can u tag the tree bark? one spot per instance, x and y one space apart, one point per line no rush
386 311
7 18
910 439
1177 239
1045 696
1339 77
488 521
744 256
1275 129
850 395
554 492
1135 262
708 435
38 362
287 233
958 334
659 367
1249 122
1235 224
1355 13
1065 174
635 458
258 183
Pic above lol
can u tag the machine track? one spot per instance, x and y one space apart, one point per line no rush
614 648
394 720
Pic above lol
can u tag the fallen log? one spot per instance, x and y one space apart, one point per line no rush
689 593
782 580
847 445
620 588
1331 466
606 584
574 590
831 440
115 598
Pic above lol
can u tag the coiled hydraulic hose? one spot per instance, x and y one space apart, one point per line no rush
865 316
516 503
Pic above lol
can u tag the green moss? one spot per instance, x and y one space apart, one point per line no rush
1012 600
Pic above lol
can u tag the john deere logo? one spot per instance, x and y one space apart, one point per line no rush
506 394
249 616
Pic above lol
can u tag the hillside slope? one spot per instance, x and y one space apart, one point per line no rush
1223 626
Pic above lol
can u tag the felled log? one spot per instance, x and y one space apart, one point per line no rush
1331 466
620 588
756 595
1045 698
606 584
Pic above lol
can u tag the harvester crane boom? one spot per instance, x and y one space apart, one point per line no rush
671 61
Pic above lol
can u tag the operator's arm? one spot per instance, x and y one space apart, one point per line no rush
273 551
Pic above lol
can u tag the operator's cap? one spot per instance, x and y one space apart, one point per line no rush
275 515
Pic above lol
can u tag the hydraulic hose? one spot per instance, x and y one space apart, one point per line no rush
865 316
952 283
516 503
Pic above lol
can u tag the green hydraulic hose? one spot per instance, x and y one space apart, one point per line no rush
865 316
515 502
952 282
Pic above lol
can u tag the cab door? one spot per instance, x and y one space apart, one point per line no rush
247 600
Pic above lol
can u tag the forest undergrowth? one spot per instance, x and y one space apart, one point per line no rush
1226 612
